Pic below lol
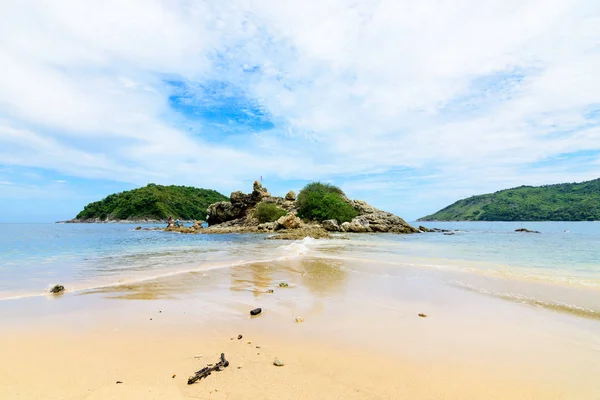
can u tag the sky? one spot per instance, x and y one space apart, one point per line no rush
409 105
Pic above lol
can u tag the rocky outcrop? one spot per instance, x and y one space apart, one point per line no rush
237 216
237 207
526 230
313 231
371 219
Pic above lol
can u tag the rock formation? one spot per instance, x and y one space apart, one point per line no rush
237 215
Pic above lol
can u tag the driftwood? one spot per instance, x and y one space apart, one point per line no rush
206 371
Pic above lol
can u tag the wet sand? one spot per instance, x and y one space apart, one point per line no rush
361 338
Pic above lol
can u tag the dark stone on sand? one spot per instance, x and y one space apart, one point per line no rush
57 289
119 382
283 284
422 315
256 311
240 337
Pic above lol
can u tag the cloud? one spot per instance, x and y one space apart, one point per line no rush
385 97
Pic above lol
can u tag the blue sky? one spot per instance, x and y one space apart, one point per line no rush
407 105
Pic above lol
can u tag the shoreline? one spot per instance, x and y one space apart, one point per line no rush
461 274
361 338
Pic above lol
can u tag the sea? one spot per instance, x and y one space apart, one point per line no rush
558 268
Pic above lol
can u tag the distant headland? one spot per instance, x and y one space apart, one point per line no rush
151 203
561 202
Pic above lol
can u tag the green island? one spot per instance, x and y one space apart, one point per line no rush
151 202
560 202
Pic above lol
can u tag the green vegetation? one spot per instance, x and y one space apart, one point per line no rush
562 202
321 201
268 212
153 202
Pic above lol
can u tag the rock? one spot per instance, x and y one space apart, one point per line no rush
173 377
423 229
269 290
448 233
299 319
240 337
138 228
283 284
268 226
118 382
56 289
423 315
290 196
289 221
256 311
526 230
278 363
345 227
331 225
358 224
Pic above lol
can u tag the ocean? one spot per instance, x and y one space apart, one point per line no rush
558 268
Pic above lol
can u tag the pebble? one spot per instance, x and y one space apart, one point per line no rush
283 284
119 382
240 337
278 363
299 319
270 291
422 315
174 375
256 311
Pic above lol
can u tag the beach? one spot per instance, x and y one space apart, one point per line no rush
361 337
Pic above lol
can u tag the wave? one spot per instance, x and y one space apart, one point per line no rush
555 305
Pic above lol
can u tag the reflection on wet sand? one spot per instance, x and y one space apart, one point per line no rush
170 287
318 276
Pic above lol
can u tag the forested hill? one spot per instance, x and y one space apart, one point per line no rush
562 202
152 202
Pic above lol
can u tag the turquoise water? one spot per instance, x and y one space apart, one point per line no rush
83 256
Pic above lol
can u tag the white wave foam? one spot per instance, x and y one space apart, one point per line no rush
300 248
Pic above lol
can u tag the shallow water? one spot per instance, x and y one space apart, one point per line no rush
558 269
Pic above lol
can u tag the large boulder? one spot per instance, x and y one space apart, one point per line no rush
358 224
331 225
290 196
289 221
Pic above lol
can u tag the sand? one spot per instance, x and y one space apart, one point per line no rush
361 338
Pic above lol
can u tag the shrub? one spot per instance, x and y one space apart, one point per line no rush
321 201
268 212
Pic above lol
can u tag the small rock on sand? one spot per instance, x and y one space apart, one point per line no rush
256 311
299 319
422 315
240 337
283 284
278 363
56 289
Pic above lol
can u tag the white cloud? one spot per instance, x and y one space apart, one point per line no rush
469 95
